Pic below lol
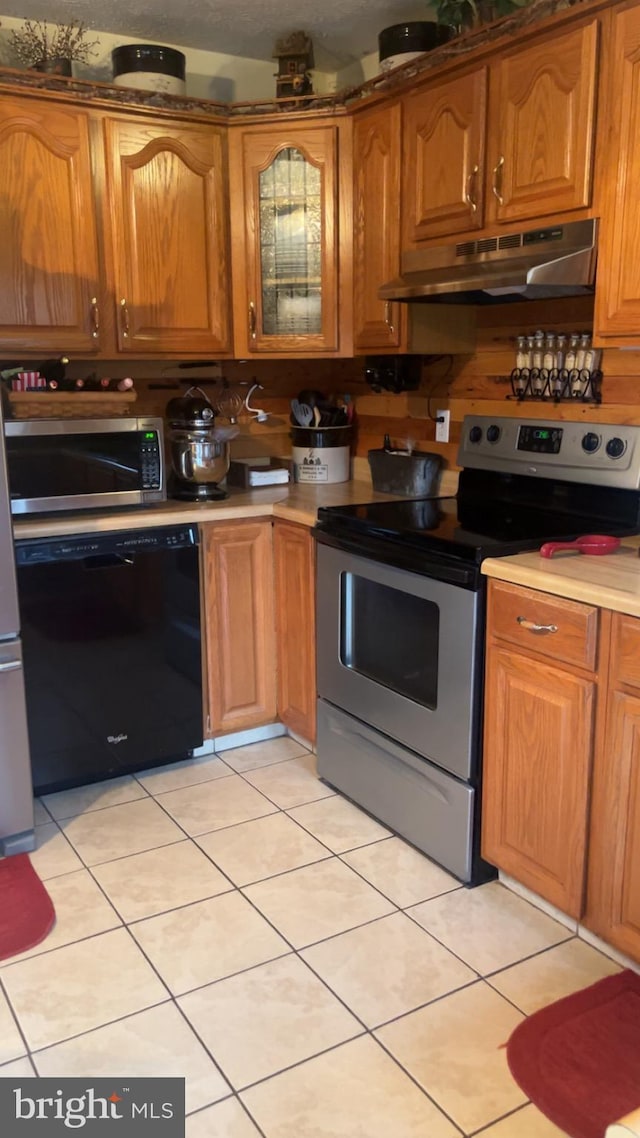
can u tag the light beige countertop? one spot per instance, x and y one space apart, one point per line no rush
611 582
293 502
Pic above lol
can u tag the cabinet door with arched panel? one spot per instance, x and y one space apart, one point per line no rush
166 223
284 220
49 298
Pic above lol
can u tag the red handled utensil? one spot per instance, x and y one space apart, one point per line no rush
595 544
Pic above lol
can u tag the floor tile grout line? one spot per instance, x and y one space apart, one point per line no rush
495 971
297 952
36 1051
236 1097
531 956
416 1082
96 809
487 1125
402 908
16 1019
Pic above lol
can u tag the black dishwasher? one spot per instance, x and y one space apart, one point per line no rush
112 652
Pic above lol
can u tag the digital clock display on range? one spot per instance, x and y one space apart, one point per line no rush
539 440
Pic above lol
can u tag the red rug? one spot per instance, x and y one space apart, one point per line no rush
579 1059
26 910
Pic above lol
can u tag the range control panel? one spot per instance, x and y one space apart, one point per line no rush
601 454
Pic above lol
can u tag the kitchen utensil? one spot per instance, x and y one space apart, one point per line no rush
311 398
229 404
595 544
302 413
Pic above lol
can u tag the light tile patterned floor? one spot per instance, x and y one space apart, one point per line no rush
233 920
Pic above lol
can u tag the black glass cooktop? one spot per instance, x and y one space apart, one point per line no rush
466 530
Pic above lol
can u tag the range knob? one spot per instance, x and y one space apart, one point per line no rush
475 434
493 433
590 442
616 447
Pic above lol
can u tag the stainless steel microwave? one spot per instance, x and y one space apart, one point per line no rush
74 464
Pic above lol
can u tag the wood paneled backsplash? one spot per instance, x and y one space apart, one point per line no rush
476 382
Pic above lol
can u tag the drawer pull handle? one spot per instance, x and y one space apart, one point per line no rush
539 629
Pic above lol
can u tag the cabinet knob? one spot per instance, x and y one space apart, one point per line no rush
124 318
497 179
252 320
95 318
470 196
539 629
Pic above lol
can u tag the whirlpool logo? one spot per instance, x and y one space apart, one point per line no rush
136 1108
116 738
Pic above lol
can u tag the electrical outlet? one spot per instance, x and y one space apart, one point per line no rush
442 426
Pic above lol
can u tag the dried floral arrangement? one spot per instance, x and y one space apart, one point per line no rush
36 41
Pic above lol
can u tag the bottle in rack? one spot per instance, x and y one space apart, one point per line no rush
537 381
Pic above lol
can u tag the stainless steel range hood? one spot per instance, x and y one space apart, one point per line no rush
534 264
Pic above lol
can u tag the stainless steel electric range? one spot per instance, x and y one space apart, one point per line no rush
401 604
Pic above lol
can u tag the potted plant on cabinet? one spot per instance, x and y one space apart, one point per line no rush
53 48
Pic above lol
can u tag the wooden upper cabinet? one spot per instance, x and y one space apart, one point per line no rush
617 308
444 132
48 251
284 219
542 121
166 215
376 227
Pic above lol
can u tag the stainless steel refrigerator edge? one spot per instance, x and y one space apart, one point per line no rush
16 799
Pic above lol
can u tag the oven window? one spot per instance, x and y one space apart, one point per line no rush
391 637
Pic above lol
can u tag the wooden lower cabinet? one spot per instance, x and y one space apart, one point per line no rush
561 790
239 624
294 560
537 760
613 897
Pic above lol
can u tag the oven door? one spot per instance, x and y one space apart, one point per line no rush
402 653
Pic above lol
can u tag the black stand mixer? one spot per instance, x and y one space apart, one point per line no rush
199 450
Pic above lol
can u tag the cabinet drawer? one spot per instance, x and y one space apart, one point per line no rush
625 651
538 622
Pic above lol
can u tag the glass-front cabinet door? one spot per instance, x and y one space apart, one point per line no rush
286 300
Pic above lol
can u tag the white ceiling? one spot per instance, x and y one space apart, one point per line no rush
341 30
